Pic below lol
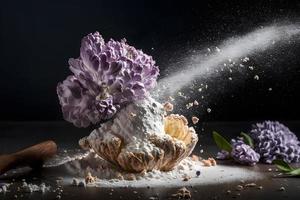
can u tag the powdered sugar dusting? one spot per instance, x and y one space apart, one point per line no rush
110 176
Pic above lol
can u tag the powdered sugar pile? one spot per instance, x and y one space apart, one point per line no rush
110 176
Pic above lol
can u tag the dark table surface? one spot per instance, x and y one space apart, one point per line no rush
16 135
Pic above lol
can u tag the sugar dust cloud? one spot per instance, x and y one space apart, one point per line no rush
201 66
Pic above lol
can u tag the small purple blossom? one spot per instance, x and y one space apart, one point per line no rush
223 155
273 141
106 76
243 153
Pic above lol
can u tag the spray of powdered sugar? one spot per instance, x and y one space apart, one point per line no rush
257 41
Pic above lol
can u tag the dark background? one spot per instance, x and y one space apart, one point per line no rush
38 37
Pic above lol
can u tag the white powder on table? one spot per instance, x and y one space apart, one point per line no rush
110 176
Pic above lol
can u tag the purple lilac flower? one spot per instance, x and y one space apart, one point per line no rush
106 76
243 153
223 155
273 141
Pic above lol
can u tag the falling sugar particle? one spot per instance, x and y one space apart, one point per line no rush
208 110
256 77
246 59
230 78
196 103
257 41
270 89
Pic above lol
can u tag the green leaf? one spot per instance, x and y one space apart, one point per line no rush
295 172
247 139
283 166
221 142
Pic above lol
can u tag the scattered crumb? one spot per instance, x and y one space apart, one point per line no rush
208 110
239 187
119 176
130 177
282 189
270 170
189 105
182 193
260 187
29 188
168 107
171 98
196 103
132 114
228 192
256 77
212 161
186 178
209 162
89 178
4 187
246 59
206 163
250 185
195 158
181 95
195 119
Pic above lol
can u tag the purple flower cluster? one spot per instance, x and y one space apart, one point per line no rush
105 77
243 153
273 141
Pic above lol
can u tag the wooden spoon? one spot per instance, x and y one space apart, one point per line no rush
33 156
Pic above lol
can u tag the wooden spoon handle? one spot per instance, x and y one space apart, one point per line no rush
33 156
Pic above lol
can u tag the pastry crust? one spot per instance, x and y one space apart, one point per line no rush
162 151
